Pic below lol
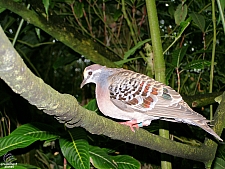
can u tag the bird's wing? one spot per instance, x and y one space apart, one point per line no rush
132 91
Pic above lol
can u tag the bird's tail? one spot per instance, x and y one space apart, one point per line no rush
203 124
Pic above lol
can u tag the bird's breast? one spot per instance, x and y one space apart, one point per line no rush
107 107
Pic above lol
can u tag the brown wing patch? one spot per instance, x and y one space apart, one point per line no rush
147 102
136 90
154 91
146 89
134 101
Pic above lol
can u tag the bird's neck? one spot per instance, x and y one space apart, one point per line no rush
101 92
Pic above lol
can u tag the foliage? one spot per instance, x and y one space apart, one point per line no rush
73 145
186 32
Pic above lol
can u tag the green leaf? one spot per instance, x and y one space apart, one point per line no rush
9 143
25 135
197 64
180 13
38 131
92 105
139 3
199 20
46 5
100 159
121 62
133 50
219 163
78 9
117 14
184 24
2 10
178 56
221 4
125 161
75 148
171 10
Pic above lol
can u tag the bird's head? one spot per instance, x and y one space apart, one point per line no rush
91 74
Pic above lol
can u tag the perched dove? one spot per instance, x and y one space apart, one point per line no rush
127 95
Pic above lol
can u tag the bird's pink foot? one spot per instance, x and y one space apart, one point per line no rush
131 124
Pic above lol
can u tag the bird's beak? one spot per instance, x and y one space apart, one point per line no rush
83 83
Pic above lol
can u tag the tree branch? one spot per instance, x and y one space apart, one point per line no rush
202 100
67 110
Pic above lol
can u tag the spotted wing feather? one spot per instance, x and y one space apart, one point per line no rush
131 91
134 92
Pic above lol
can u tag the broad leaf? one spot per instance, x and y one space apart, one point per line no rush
92 105
100 159
78 9
219 163
36 130
125 161
199 20
9 143
197 64
117 14
2 10
25 135
75 148
180 13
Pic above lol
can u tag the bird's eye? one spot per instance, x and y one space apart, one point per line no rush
90 73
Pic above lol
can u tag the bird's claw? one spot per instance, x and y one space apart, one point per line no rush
132 124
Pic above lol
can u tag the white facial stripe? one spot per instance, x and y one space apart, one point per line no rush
96 71
93 72
85 73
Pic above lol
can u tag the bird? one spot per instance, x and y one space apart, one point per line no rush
138 99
